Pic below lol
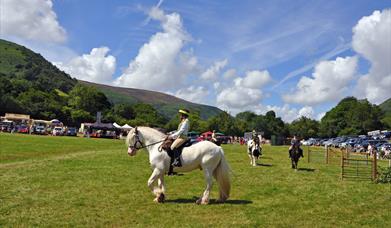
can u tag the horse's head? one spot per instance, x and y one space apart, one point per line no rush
133 141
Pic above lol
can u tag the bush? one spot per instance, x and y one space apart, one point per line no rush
385 175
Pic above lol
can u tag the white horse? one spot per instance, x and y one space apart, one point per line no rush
254 150
205 155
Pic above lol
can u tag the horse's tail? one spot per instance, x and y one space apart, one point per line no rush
222 175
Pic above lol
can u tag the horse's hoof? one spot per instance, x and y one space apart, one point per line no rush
161 198
199 201
206 202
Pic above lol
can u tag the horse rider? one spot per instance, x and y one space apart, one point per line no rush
180 135
214 139
295 143
255 138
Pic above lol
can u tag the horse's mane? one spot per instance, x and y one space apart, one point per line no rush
153 131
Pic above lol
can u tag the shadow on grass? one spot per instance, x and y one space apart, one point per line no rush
306 169
267 165
212 201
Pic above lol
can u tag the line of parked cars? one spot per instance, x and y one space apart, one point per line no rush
355 143
39 130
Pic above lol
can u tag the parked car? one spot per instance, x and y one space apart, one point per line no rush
71 131
57 131
23 129
193 136
39 130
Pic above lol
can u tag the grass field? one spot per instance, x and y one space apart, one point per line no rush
64 181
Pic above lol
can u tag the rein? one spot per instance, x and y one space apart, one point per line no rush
138 141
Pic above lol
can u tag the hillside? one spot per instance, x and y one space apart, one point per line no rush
166 104
21 65
386 107
31 84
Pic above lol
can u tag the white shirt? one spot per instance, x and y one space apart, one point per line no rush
183 129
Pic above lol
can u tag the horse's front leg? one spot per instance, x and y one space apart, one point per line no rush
152 179
251 159
160 197
254 160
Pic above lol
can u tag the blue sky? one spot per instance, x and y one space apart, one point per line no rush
294 57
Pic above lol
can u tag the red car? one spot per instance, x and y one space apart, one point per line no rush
23 129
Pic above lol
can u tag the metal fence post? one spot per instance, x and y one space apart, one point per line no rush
374 166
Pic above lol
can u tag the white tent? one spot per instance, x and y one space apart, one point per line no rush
126 127
116 125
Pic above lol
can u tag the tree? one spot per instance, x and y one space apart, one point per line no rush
351 116
88 99
304 127
147 115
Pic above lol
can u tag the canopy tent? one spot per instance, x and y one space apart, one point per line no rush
124 127
116 125
127 127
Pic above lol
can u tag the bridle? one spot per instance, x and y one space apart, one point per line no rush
139 142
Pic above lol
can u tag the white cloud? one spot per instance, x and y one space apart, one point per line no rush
245 93
237 99
306 111
30 20
372 39
329 82
286 113
161 64
229 74
289 114
256 79
193 94
96 66
213 72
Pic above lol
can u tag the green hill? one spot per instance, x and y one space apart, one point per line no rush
23 66
166 104
386 107
32 85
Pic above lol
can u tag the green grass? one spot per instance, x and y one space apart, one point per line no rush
63 181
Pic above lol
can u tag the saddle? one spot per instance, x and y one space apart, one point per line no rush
174 154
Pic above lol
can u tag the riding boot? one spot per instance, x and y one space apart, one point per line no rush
170 171
177 161
290 154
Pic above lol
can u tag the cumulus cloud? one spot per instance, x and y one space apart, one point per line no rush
237 99
161 64
306 111
245 93
372 39
229 74
289 114
329 82
30 20
256 79
97 66
193 93
213 72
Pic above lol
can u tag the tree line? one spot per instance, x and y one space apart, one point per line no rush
350 117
